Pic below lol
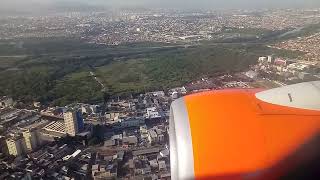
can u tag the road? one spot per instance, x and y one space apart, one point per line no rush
93 75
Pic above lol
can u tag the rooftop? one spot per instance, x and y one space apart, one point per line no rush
146 151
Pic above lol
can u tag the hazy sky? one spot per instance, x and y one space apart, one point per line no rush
27 5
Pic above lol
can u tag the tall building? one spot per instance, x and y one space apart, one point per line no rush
73 122
31 135
270 59
15 146
31 139
3 146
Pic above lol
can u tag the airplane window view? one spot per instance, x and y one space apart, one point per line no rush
159 89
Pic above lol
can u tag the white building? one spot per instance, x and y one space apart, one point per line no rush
84 110
158 93
180 90
262 59
270 58
152 113
175 95
152 136
251 74
94 109
113 115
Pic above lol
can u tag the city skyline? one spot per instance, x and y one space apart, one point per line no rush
43 6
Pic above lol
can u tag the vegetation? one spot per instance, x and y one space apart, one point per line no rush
173 68
300 32
57 71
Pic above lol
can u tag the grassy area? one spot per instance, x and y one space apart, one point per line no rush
286 53
124 76
76 87
173 68
8 62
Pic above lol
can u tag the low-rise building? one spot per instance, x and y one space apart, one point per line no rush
154 164
152 113
109 143
6 101
55 129
132 122
131 140
162 166
152 136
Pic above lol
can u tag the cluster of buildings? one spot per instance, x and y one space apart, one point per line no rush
308 46
48 162
223 81
29 141
143 148
286 70
122 138
130 26
25 131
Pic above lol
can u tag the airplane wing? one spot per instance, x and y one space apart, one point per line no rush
244 134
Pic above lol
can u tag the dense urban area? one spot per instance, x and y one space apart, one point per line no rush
114 28
87 95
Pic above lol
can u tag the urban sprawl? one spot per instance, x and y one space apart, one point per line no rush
166 26
127 138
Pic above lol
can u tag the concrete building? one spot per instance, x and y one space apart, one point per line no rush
175 95
3 146
270 59
280 62
101 173
262 59
153 113
158 93
31 135
132 122
55 129
109 143
152 136
94 109
131 140
304 76
31 138
15 146
73 122
251 74
162 166
153 163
